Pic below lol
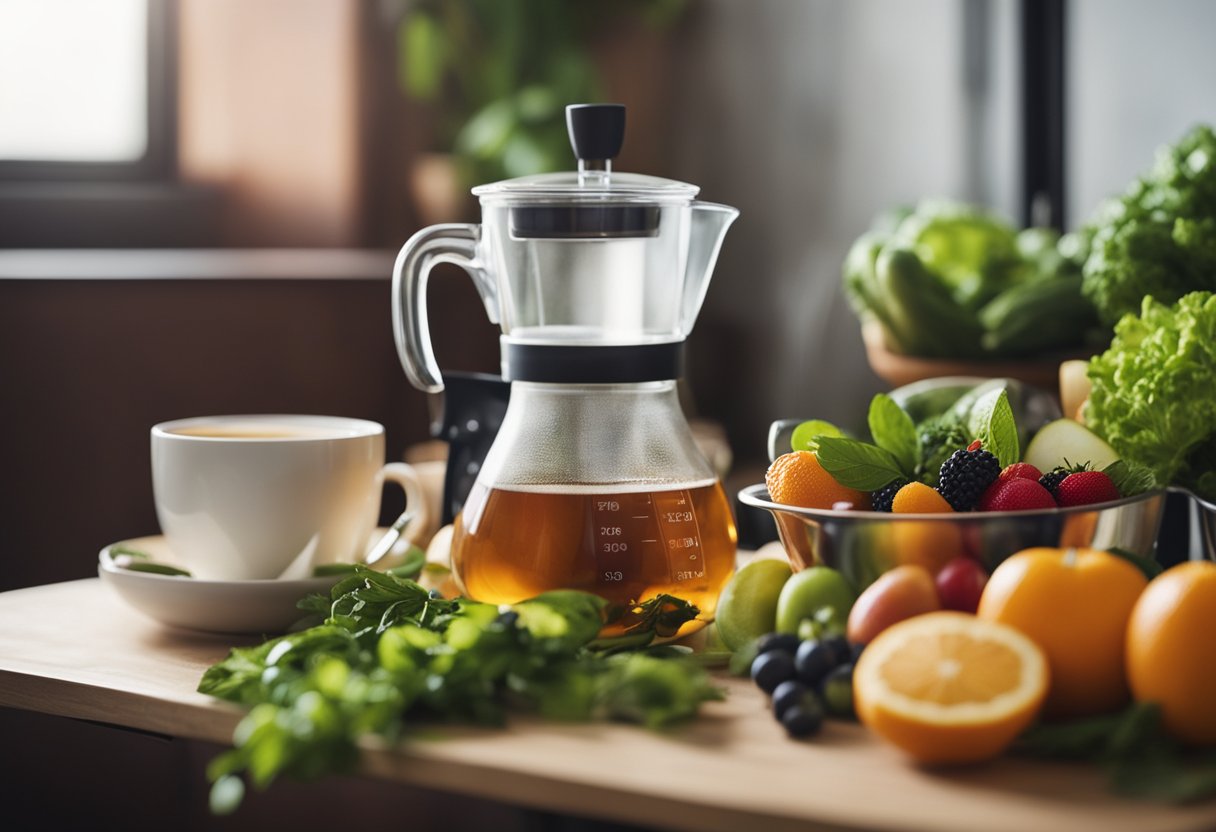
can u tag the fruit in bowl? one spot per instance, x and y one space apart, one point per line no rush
951 486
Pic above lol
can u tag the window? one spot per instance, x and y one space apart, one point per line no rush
85 90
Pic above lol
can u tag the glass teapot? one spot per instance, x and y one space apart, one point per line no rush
593 481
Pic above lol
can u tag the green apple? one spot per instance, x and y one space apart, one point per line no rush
809 591
1065 442
748 606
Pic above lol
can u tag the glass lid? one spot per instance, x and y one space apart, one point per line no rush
596 134
591 184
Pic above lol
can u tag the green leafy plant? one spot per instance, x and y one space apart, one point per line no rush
1140 759
900 450
1159 238
499 74
950 280
1152 391
389 653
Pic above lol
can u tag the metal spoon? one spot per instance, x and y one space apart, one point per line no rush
385 544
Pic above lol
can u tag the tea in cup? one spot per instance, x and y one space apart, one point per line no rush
272 496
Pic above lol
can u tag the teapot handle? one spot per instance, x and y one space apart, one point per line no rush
454 243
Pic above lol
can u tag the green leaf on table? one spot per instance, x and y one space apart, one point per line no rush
1164 776
1079 739
806 435
893 430
991 421
857 464
411 566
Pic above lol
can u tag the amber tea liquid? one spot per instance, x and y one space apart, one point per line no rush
623 545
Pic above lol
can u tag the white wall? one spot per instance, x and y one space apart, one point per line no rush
811 117
1140 73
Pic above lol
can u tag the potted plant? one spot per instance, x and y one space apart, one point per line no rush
496 76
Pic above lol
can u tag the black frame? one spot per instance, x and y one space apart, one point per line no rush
159 161
1043 123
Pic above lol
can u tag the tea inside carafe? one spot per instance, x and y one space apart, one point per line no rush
627 544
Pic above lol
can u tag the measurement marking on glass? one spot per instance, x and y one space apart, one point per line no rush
681 534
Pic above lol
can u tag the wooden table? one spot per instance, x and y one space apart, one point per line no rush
75 650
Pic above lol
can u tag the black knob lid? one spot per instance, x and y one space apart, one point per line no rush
597 131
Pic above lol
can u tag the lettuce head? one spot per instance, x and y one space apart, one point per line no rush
1154 391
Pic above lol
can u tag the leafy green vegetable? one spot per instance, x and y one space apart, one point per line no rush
950 280
991 421
806 435
857 464
895 454
1140 759
1159 238
1130 479
1079 739
1154 391
973 252
922 308
939 438
894 431
390 652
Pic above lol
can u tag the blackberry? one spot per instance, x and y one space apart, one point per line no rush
965 476
1052 479
882 499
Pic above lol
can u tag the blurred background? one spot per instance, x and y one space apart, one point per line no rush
200 199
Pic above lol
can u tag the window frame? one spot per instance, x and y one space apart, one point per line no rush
159 161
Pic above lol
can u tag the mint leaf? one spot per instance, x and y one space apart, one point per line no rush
1163 776
1078 739
806 435
857 464
893 430
991 421
1129 478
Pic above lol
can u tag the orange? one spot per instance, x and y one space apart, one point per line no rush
1074 604
947 687
1171 652
797 479
918 498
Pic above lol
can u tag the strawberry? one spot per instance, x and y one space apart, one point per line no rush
1085 487
1017 494
1020 470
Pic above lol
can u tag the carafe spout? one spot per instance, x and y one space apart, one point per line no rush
709 224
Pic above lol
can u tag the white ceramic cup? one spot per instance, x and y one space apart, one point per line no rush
272 496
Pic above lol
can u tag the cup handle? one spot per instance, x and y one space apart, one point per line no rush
417 514
404 475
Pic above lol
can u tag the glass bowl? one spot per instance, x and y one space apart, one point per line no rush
864 544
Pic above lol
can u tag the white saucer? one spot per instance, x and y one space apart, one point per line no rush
260 607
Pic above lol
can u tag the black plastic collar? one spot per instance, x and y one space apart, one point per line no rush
628 364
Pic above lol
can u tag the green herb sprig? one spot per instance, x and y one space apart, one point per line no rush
901 450
1140 759
390 652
